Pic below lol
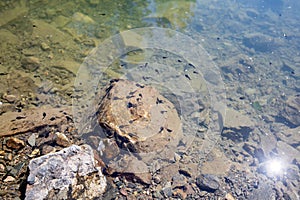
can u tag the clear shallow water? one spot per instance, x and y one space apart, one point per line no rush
254 44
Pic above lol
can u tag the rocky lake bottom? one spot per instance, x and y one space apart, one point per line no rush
44 154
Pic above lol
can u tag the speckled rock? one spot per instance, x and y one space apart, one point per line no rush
68 174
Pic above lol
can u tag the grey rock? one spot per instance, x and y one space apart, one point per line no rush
291 111
167 190
178 181
259 42
208 182
31 140
67 174
157 195
265 191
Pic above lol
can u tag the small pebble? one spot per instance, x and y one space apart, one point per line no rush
15 143
123 192
62 140
9 179
34 153
9 156
31 140
10 98
2 167
30 63
45 46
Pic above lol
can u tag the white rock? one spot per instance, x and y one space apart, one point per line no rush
56 175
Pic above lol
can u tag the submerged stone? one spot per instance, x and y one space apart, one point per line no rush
140 119
68 174
291 110
208 182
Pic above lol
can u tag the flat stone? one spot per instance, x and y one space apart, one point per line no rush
175 12
29 120
237 126
31 140
289 135
287 152
60 21
67 174
235 119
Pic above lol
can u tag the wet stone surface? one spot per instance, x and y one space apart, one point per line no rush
139 118
69 173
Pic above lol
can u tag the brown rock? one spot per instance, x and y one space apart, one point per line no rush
46 149
15 143
62 140
140 116
111 149
9 179
20 122
132 168
189 170
123 192
219 165
180 193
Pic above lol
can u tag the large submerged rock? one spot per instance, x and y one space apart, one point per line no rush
68 174
140 119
